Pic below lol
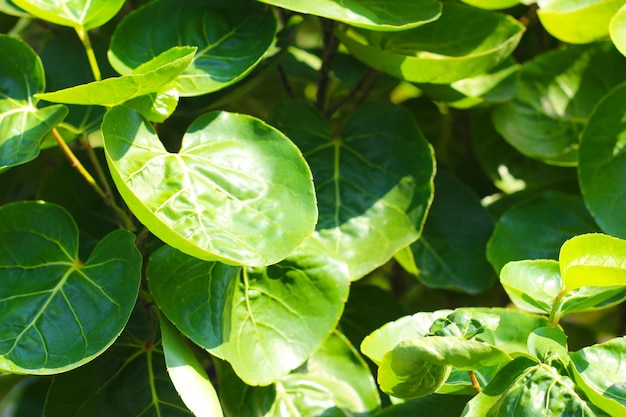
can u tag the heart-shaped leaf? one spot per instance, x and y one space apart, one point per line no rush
231 38
238 190
463 42
602 166
556 93
87 14
129 380
577 21
150 77
373 182
275 316
22 124
369 14
57 311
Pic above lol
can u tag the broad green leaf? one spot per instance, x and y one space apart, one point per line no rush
492 4
157 106
602 167
87 14
433 406
600 370
129 380
577 21
22 124
237 191
617 30
450 253
373 181
370 14
464 323
187 375
419 366
536 228
264 321
151 77
231 38
548 344
593 260
557 91
433 53
532 285
45 284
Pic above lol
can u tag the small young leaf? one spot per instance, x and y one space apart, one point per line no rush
87 14
370 14
532 285
45 284
465 323
548 344
492 4
463 42
600 370
157 106
238 190
593 260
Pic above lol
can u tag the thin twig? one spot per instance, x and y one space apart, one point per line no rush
285 81
351 94
91 56
104 182
475 383
368 89
331 43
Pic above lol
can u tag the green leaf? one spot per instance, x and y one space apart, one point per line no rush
275 316
451 251
433 53
464 323
157 106
187 375
532 285
602 166
593 260
369 14
238 190
45 284
548 344
524 388
151 77
86 14
419 366
536 228
22 124
557 91
432 406
231 38
577 21
600 370
8 7
373 182
617 30
129 380
492 4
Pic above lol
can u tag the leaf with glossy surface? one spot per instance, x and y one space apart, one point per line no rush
157 106
187 375
373 182
432 53
600 370
492 4
231 38
548 344
593 260
264 321
238 190
465 323
22 124
370 14
602 167
617 30
577 21
557 92
129 380
532 285
45 284
450 253
536 228
153 76
86 14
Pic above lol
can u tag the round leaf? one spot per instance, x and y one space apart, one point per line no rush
264 321
369 14
373 182
86 14
238 190
577 21
532 285
556 93
463 42
231 38
602 167
58 312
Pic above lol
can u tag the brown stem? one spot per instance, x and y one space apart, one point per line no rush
475 383
351 94
285 81
331 43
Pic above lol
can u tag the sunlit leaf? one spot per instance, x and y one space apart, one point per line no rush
237 191
231 38
373 180
369 14
463 42
617 30
492 4
86 14
57 311
548 344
